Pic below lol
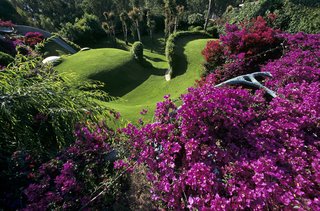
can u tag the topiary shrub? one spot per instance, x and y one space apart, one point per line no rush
5 59
137 51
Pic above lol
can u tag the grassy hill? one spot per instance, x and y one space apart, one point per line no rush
139 86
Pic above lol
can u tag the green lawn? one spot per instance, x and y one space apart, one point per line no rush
139 86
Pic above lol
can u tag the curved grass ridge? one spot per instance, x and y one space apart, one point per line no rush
139 85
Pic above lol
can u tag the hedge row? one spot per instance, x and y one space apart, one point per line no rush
171 44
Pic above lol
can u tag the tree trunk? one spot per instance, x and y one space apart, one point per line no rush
208 15
138 31
126 34
175 24
151 37
114 35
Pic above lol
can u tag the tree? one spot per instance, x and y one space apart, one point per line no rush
109 25
180 10
124 20
151 25
135 15
170 13
208 15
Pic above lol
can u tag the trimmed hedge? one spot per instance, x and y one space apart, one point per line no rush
5 59
137 51
171 47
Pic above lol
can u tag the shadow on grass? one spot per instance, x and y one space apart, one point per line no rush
154 59
180 64
124 79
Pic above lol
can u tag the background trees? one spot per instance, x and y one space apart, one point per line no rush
125 21
136 16
109 24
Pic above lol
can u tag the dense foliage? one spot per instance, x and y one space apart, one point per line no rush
39 110
84 30
228 148
5 59
242 49
137 51
291 15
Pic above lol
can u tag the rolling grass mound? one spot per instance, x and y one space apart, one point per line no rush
139 85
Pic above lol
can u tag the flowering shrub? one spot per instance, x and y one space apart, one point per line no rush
300 64
242 49
72 179
226 148
17 173
33 38
6 23
8 46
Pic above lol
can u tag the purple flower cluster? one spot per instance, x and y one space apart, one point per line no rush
33 38
6 23
230 149
68 181
242 49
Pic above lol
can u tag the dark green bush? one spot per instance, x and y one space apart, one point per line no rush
84 30
23 49
196 19
137 51
296 17
171 44
5 59
213 30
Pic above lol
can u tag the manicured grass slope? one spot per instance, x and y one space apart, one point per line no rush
139 85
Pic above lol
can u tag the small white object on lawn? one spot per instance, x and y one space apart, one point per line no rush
168 75
85 49
51 59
